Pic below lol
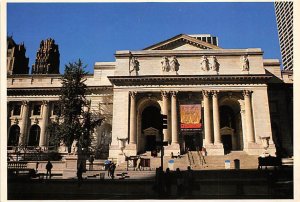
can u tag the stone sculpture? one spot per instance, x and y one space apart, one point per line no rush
174 64
215 64
134 65
204 63
245 62
165 64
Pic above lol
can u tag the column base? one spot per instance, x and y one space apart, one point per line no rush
214 149
175 148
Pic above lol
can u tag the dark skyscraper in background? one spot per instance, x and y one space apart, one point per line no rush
284 17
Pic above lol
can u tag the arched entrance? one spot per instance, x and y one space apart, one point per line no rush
34 135
148 123
151 126
14 134
230 124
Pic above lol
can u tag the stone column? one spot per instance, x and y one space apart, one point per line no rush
23 128
164 95
207 117
174 117
44 124
216 118
132 130
249 116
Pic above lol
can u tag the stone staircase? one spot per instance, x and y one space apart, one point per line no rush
218 162
198 162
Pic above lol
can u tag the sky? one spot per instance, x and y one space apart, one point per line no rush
93 32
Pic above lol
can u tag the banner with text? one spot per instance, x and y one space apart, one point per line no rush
190 116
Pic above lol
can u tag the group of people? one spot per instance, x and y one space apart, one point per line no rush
183 180
111 170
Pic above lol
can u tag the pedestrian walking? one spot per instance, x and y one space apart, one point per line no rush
48 168
179 182
138 163
189 180
112 170
79 173
91 160
168 182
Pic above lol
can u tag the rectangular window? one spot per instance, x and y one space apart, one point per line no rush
36 110
17 110
56 109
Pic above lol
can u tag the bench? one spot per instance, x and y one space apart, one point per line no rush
18 168
269 161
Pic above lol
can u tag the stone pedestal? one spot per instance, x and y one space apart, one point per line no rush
258 149
214 149
71 164
175 148
130 150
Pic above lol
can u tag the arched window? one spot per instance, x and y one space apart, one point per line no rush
14 134
34 135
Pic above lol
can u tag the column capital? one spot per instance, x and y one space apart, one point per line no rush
173 93
206 93
164 94
25 102
45 102
247 93
132 94
215 93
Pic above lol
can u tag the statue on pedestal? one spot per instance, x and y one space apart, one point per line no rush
74 147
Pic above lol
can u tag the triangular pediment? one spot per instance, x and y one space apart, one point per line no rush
151 131
182 42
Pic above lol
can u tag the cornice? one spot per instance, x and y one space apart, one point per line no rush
189 53
49 90
188 79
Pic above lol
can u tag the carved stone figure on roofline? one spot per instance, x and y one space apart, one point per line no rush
165 64
134 65
215 64
245 62
174 64
204 63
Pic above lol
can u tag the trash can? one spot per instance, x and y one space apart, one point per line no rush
227 164
236 164
102 176
171 164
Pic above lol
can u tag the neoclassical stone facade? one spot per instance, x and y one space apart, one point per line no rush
228 87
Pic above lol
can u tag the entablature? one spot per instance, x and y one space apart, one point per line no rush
188 80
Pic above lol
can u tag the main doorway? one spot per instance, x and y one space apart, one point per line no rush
151 127
192 141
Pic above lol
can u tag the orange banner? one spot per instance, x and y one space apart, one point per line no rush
190 116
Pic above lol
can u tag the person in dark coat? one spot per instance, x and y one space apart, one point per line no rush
112 170
79 173
48 168
168 182
91 160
